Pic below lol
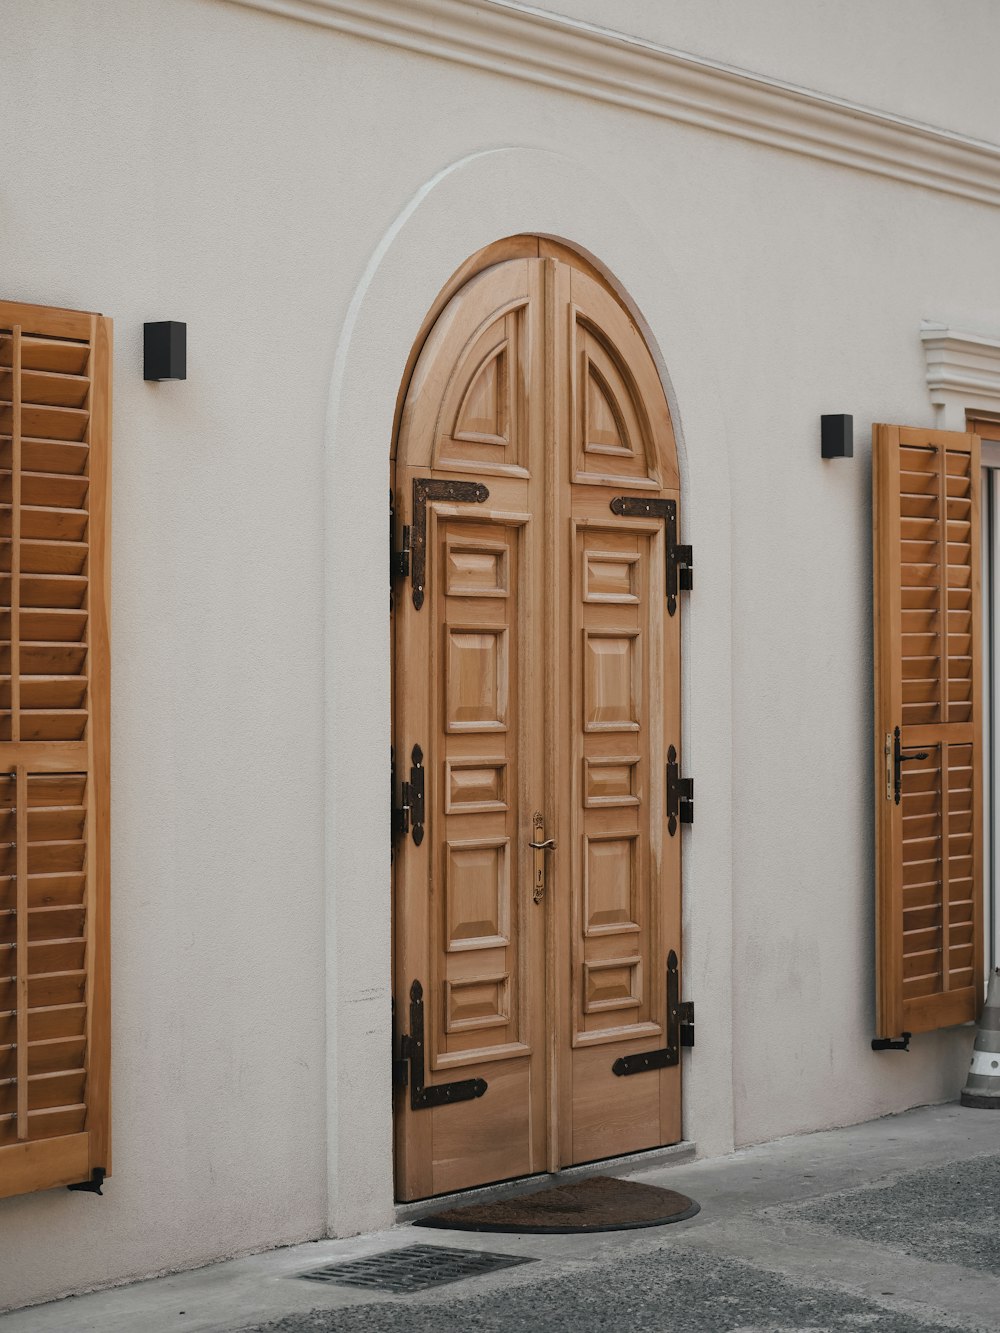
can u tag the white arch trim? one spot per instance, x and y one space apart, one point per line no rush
463 208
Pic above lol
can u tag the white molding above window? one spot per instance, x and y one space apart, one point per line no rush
513 39
963 373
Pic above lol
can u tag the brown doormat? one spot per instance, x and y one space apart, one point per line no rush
596 1203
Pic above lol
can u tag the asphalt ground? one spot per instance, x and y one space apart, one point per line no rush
946 1215
892 1226
672 1290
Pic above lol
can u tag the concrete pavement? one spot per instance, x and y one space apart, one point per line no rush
892 1226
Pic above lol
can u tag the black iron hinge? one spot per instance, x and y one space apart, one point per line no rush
680 1031
399 560
680 795
687 1023
415 539
400 1064
680 559
901 1043
408 1068
400 1069
93 1185
408 816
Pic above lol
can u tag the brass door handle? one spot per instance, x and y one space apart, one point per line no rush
540 845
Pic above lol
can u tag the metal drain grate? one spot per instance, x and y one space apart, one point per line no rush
413 1268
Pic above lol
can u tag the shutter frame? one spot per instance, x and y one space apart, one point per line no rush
919 987
55 428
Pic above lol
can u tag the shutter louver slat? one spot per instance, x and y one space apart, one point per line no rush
926 545
54 1036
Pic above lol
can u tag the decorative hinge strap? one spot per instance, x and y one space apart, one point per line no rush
680 795
680 559
415 538
411 1046
680 1031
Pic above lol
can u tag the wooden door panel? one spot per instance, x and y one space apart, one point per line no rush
477 934
475 1143
620 662
625 881
537 671
618 906
618 419
466 925
483 424
613 1116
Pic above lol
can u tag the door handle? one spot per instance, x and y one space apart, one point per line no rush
540 845
899 758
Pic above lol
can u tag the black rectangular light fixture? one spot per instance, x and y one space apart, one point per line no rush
837 436
164 350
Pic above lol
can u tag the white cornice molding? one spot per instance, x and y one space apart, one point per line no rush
963 372
517 40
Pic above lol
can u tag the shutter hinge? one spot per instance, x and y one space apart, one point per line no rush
680 795
408 1069
93 1185
892 1043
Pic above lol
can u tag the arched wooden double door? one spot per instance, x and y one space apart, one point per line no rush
537 698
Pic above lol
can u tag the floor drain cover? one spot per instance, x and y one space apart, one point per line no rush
413 1268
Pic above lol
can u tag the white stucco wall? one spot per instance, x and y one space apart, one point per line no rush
299 197
932 62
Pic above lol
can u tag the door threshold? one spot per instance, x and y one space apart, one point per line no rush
652 1158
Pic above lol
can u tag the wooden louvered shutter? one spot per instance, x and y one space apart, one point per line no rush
928 688
55 386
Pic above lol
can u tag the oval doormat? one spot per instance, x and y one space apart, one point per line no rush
596 1203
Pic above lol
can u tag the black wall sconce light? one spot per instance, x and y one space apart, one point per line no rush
837 436
164 351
